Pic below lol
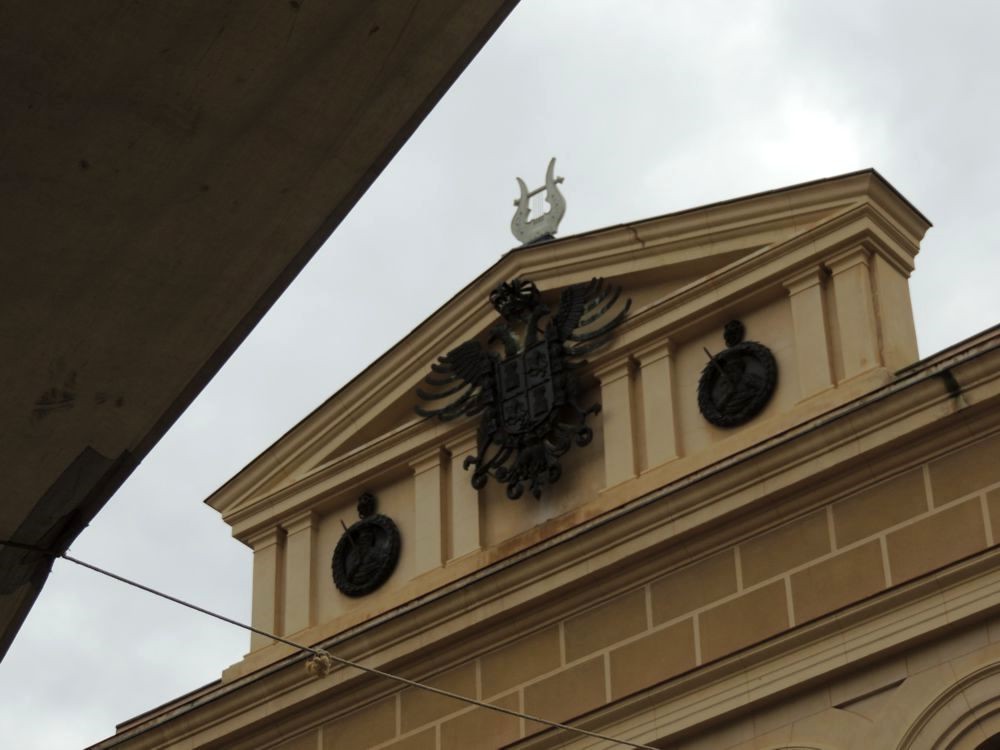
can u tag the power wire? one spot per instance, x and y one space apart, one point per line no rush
321 662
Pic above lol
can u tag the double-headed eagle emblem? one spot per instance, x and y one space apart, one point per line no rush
523 381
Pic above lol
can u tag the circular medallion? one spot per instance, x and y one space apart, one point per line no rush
367 552
737 383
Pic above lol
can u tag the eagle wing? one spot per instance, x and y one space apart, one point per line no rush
467 371
580 307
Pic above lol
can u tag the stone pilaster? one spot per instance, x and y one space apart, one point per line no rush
856 320
895 314
659 422
463 512
265 612
428 480
812 342
300 586
617 417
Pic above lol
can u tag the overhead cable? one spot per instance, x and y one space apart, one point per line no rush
321 662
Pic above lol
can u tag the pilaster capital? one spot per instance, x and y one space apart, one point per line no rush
848 259
301 521
615 369
803 280
427 459
265 538
654 351
461 445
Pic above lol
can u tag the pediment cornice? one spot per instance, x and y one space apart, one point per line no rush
719 252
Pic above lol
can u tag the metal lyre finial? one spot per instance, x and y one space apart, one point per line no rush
541 227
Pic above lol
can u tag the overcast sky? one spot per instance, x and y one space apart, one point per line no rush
649 107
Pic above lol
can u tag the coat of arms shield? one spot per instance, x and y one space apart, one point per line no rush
528 398
527 390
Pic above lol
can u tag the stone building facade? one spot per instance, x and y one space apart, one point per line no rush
823 576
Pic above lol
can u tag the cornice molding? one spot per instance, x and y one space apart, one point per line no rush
677 316
803 280
615 251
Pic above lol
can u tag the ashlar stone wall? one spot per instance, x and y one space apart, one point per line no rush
853 548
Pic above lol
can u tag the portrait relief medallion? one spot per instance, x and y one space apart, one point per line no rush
367 552
737 383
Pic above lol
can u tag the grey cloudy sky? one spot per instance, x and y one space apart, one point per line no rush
650 107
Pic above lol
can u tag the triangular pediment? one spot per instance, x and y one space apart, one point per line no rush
675 268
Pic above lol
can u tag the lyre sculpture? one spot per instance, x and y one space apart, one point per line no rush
541 227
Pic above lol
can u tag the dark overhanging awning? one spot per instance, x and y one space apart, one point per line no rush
167 170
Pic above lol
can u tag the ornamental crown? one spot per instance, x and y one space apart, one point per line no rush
514 299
